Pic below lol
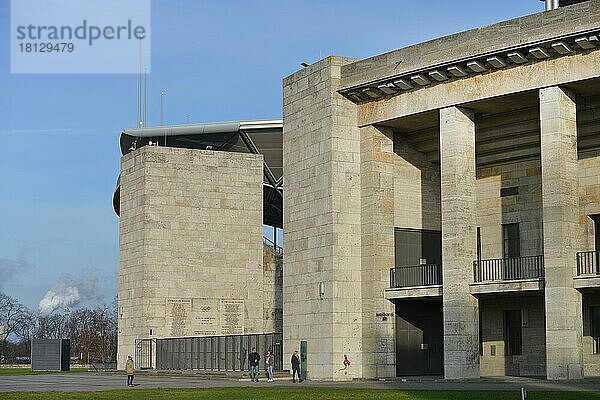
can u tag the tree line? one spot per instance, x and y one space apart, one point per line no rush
92 331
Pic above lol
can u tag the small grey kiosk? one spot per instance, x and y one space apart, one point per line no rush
50 354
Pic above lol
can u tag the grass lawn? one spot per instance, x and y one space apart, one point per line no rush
292 394
27 371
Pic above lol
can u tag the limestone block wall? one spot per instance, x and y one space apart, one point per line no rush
525 208
588 116
400 188
131 258
272 290
191 249
458 193
589 199
494 362
417 201
322 219
378 167
564 357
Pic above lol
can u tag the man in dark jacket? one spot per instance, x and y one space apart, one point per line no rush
296 366
253 359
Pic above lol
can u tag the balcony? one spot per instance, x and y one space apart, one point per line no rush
415 281
515 274
588 270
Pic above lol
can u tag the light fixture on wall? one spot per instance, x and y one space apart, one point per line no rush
321 290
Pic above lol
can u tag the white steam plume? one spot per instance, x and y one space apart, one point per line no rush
60 296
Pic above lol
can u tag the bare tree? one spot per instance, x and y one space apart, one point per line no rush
26 331
12 316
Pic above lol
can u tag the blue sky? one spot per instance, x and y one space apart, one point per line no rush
217 60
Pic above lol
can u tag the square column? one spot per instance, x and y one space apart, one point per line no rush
377 172
461 317
564 327
322 220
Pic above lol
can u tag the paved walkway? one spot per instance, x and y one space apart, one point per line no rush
94 381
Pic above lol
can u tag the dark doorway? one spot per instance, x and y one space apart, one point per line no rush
419 326
596 219
417 246
513 334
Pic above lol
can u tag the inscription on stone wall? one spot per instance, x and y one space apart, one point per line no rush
204 317
232 317
178 312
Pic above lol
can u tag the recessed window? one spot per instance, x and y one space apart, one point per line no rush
509 191
512 242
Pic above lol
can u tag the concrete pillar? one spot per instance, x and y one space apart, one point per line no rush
461 317
377 171
322 220
564 327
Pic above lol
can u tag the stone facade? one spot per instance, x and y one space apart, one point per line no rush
494 361
191 247
378 201
322 222
457 161
524 208
560 199
470 143
458 155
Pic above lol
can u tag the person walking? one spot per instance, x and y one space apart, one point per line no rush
346 363
269 365
253 359
129 371
295 361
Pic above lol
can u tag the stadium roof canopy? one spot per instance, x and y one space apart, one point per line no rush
259 137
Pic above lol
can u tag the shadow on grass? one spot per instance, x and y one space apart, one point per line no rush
295 394
28 371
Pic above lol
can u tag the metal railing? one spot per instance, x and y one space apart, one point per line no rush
217 353
144 353
507 269
587 263
416 275
277 248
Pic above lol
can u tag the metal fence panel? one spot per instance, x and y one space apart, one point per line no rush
216 353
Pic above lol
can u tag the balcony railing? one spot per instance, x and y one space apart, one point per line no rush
507 269
417 275
587 263
278 249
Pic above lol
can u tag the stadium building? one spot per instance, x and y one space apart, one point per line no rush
441 212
